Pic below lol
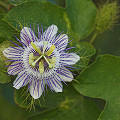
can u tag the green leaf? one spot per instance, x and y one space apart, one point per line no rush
108 42
19 98
2 13
81 17
8 110
78 110
34 13
68 105
17 2
6 32
85 51
78 22
4 78
101 80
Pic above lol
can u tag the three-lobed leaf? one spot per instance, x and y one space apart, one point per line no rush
102 80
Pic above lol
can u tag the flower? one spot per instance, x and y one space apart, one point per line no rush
41 61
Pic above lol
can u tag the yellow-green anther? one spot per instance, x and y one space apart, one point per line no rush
33 64
52 48
41 66
36 48
50 66
52 61
45 43
30 58
34 59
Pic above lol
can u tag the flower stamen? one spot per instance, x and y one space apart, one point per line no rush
36 48
32 58
52 61
52 48
45 43
41 66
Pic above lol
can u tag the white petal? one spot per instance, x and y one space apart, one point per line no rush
56 86
50 33
68 77
27 35
13 53
36 89
21 80
15 68
61 42
69 58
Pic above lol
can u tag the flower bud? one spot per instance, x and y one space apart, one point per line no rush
107 16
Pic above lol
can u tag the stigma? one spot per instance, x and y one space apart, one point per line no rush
42 57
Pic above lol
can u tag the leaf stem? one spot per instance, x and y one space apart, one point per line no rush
93 38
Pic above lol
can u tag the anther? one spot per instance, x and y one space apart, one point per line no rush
36 48
52 48
45 43
32 58
41 66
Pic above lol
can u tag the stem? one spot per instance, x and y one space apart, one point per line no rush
93 38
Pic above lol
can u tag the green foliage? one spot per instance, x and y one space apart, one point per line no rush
8 110
6 32
1 13
4 78
80 17
46 13
69 103
101 80
85 51
17 2
72 111
108 42
36 13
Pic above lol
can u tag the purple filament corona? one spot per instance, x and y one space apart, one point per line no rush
53 53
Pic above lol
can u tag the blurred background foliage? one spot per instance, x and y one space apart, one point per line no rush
89 108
